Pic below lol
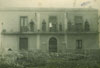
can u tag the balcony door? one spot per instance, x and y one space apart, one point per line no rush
53 23
78 23
23 23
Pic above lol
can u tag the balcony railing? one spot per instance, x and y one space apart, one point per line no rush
47 32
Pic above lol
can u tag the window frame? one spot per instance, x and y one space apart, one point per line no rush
79 44
20 42
53 29
78 23
24 23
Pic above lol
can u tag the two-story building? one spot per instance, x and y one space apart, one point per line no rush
49 29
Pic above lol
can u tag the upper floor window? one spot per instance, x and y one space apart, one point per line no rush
78 23
78 19
23 23
53 23
87 27
44 25
31 25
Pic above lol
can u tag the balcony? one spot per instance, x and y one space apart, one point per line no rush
89 32
49 33
70 30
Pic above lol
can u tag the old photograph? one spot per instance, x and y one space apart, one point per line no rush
49 34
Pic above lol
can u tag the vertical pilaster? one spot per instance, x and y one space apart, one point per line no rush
38 28
65 22
98 29
38 41
65 28
38 21
0 39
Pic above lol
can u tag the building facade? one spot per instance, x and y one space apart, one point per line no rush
49 30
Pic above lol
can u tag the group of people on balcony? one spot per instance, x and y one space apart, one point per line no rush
79 26
31 27
53 26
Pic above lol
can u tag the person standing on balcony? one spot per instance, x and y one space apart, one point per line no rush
32 26
50 26
87 27
60 27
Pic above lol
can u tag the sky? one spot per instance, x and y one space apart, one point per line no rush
50 3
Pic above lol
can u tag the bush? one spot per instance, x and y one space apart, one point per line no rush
48 60
30 58
24 59
9 61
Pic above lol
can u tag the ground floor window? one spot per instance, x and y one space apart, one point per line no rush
79 44
23 43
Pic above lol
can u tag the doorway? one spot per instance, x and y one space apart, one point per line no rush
53 45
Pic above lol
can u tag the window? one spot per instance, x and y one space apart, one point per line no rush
23 43
53 23
87 27
79 44
78 23
23 23
32 26
43 25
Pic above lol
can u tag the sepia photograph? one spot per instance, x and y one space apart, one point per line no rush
49 34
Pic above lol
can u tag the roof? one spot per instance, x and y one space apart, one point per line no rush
47 9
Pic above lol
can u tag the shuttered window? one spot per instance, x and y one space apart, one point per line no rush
23 43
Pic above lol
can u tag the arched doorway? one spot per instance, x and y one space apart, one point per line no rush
53 45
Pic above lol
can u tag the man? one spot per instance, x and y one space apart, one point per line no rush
32 26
